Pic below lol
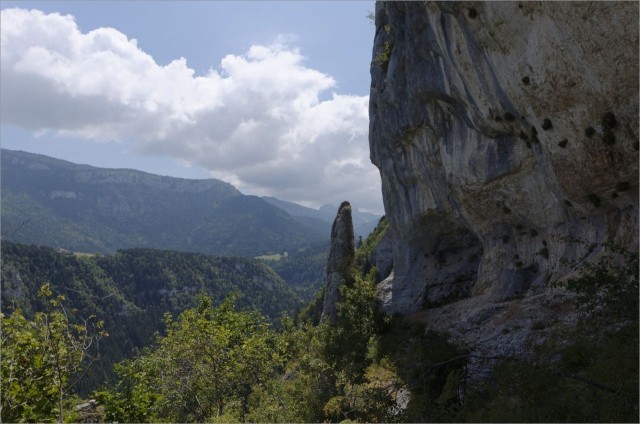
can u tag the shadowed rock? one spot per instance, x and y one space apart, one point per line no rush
340 261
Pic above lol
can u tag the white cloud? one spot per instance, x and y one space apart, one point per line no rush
258 121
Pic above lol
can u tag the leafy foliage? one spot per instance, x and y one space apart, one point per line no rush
131 399
225 363
364 252
205 367
389 369
333 373
41 360
133 289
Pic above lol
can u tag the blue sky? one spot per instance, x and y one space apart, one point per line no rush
269 96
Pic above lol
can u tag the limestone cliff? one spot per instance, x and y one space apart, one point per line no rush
340 261
506 134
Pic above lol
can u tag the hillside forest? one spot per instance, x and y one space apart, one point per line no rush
239 351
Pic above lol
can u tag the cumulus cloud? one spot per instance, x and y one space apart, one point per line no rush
262 120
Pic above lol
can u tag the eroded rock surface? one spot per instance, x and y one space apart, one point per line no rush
382 256
340 261
506 134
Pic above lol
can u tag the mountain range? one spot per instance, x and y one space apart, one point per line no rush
363 222
83 208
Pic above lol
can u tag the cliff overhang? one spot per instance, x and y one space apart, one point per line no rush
506 134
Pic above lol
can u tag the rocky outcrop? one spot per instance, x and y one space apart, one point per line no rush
506 134
340 261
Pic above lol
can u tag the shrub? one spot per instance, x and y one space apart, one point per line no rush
383 56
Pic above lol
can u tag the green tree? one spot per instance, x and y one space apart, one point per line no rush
131 400
334 373
300 391
346 343
42 359
205 368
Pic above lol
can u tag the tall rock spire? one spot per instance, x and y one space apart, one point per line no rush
340 262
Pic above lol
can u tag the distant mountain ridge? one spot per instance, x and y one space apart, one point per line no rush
97 210
363 222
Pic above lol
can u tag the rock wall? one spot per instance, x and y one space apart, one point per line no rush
506 134
340 261
382 256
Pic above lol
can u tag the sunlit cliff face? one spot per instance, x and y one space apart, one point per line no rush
506 139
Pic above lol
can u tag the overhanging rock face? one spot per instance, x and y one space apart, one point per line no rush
506 135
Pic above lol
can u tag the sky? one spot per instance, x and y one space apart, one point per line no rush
271 97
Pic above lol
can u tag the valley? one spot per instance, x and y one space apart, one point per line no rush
132 290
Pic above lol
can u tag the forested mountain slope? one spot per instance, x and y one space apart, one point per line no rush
88 209
131 290
305 271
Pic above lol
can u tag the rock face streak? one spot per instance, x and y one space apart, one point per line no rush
506 135
340 261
